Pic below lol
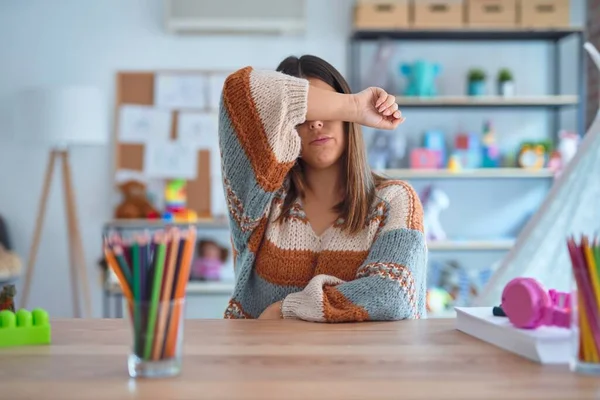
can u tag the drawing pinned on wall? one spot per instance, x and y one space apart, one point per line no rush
215 89
174 91
169 159
142 124
198 130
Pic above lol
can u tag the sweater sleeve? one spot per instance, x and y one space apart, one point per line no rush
258 142
389 284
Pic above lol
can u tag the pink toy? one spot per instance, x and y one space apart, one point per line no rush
528 305
421 158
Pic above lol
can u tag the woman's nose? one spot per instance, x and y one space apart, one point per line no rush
316 125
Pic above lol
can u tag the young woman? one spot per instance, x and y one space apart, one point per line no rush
316 235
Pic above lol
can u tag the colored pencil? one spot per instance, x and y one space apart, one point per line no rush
154 296
182 280
586 272
165 296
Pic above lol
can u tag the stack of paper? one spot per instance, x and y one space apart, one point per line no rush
546 345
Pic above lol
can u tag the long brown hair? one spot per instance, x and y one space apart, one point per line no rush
360 181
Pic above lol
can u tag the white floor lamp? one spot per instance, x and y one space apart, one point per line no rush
59 119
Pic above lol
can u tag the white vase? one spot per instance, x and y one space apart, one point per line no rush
506 89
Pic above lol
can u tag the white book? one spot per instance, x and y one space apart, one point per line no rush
545 345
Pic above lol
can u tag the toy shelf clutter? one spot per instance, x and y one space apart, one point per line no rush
485 137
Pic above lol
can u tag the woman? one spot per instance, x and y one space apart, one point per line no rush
316 235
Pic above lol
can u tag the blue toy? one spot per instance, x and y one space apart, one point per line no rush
436 141
421 78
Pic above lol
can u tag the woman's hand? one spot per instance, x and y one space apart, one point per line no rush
272 312
377 109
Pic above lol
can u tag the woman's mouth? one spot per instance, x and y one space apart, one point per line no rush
320 141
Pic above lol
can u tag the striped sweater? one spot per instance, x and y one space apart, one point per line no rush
377 274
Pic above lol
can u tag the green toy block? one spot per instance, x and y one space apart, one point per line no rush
24 328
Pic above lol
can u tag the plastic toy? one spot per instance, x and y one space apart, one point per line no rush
528 305
434 201
436 141
24 328
490 150
421 158
175 203
7 298
468 150
421 78
438 300
454 164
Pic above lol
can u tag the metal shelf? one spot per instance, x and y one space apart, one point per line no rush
468 34
159 223
489 101
470 245
480 173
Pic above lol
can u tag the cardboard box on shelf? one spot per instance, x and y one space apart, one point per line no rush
544 13
381 14
491 13
438 14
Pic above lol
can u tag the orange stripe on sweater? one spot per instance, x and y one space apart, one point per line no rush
237 96
414 218
341 264
284 267
337 308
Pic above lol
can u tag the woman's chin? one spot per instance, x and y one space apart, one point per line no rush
321 163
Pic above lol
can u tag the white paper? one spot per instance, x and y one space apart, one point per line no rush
169 159
124 175
180 91
215 88
198 129
141 124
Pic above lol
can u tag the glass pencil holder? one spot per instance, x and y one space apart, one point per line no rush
585 335
157 333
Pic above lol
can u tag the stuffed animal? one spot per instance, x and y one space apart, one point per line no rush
434 201
135 204
7 298
10 264
421 78
567 147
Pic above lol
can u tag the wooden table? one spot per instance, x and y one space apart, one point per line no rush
426 359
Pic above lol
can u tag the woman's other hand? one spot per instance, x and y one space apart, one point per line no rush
377 109
272 312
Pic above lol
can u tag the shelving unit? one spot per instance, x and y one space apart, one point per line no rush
480 173
554 102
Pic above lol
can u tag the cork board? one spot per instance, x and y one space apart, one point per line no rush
137 88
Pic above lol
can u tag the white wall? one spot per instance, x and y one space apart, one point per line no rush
87 41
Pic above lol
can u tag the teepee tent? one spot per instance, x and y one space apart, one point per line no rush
572 207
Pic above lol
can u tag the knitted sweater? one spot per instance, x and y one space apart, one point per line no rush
377 274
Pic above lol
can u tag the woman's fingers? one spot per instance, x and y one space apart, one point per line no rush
391 109
389 101
381 98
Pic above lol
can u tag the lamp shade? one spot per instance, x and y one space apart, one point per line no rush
61 116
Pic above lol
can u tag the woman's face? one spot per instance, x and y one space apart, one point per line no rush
323 142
